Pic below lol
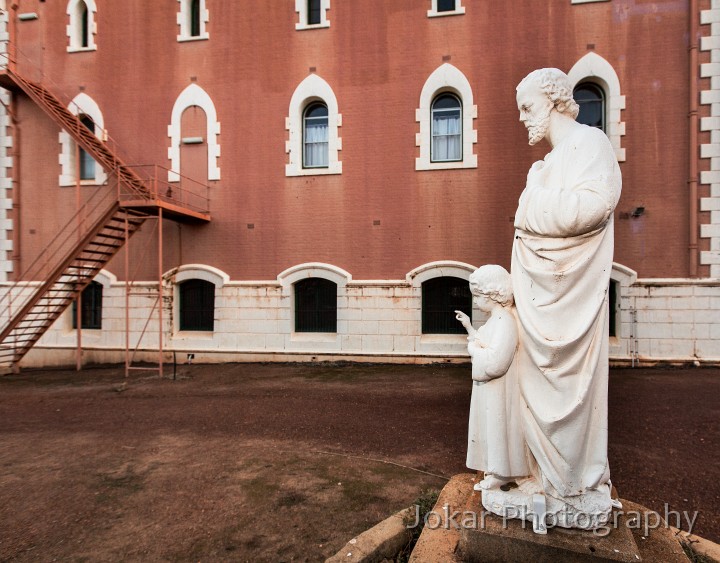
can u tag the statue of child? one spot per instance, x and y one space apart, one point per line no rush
495 440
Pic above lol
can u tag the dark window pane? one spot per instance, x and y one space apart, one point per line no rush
315 137
313 15
445 5
612 304
91 308
591 100
441 297
195 18
87 164
197 305
446 117
315 305
84 25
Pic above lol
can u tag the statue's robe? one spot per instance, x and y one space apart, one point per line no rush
561 262
495 438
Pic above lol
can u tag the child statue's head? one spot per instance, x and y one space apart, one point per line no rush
494 282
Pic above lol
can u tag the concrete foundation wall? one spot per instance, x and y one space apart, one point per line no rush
658 321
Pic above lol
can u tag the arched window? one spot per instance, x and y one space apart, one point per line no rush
81 27
192 19
441 297
313 124
87 164
315 136
195 18
315 305
446 114
446 129
197 305
591 99
192 96
88 171
84 24
91 307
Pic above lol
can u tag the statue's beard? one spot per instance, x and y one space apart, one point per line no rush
538 128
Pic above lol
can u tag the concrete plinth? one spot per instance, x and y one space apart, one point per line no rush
459 529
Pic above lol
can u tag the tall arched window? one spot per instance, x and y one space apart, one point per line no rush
591 99
446 129
81 27
87 164
197 305
315 136
315 305
84 30
441 297
195 18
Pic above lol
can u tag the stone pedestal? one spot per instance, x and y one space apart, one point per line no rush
464 531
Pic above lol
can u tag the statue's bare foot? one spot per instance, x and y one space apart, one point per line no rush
529 486
491 482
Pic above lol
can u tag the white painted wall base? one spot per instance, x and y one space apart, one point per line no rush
660 321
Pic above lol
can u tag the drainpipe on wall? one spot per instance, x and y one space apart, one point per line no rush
693 149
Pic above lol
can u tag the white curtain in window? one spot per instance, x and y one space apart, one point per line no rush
446 136
316 144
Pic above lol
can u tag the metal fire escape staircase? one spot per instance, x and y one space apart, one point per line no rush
89 240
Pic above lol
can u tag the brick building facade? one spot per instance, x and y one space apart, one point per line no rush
316 128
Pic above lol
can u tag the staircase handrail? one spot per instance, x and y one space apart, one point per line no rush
60 248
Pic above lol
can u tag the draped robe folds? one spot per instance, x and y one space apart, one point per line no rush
495 440
561 262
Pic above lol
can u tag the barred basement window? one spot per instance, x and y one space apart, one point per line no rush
197 305
441 297
315 305
591 99
91 308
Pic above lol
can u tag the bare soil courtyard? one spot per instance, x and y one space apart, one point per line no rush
286 462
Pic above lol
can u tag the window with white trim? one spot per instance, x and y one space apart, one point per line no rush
594 69
89 171
591 99
445 8
313 120
446 121
81 28
312 14
192 18
315 136
194 95
446 129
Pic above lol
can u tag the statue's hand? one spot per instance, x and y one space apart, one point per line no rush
464 319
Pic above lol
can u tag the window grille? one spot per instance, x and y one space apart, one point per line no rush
197 305
315 305
441 297
91 307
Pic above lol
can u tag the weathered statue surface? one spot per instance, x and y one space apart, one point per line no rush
561 262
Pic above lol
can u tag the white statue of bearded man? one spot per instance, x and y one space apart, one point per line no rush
561 262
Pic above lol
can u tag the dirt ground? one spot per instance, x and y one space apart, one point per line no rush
251 462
